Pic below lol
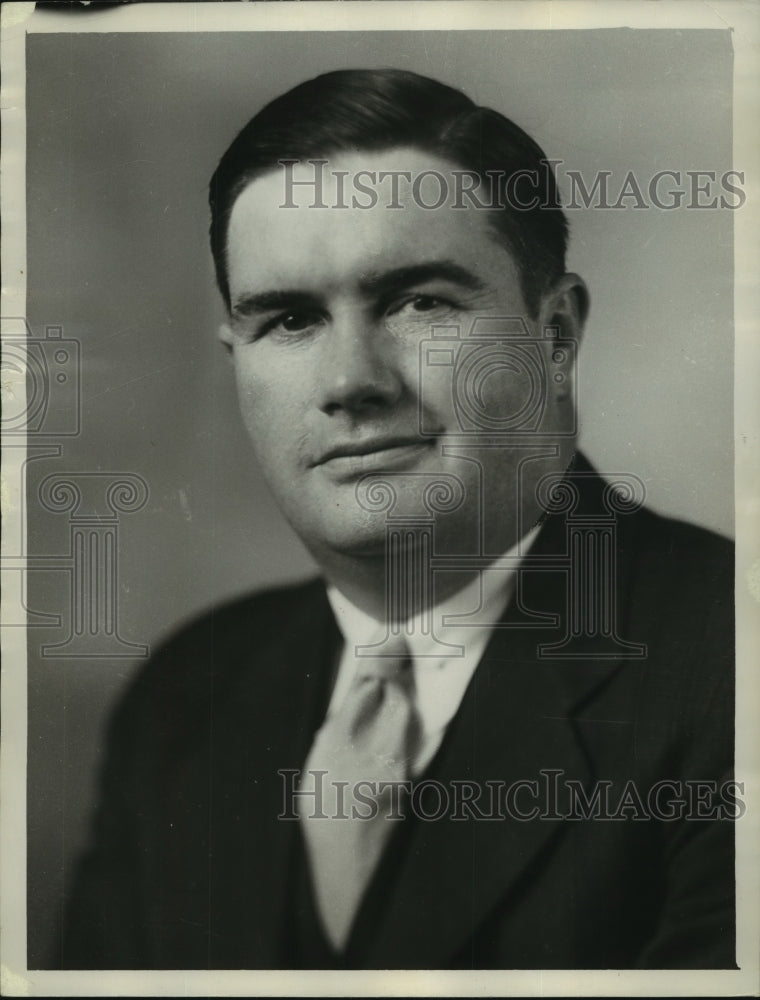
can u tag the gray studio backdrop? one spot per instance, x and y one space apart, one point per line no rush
124 131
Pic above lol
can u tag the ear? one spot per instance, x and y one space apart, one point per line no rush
563 312
227 337
566 305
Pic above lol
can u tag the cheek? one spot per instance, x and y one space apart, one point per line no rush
267 403
516 395
477 394
436 392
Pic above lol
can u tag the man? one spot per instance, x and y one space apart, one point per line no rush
498 734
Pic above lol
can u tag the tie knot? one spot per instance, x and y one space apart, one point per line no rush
392 660
382 669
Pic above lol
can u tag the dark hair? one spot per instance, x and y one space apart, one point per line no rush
349 110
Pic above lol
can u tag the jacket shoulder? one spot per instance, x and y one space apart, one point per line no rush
264 611
224 647
679 602
672 552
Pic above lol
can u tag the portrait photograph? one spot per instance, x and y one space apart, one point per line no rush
380 557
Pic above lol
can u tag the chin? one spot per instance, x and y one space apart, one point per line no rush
362 539
344 537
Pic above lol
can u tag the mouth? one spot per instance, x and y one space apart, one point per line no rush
375 455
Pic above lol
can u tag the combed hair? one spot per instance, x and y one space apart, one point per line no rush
364 110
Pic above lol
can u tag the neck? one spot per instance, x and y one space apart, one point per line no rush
400 585
367 585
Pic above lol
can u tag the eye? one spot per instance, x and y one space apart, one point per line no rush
296 321
293 322
418 312
425 303
420 304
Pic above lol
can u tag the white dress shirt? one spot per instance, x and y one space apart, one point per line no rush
440 677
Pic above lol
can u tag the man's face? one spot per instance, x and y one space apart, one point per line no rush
331 309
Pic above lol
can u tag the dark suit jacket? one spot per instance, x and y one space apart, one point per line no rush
190 866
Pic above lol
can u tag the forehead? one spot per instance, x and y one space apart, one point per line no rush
357 213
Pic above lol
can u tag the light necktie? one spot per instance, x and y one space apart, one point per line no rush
366 742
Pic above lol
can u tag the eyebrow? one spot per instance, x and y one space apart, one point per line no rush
382 283
255 302
417 274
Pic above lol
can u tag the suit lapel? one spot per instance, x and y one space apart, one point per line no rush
515 722
277 706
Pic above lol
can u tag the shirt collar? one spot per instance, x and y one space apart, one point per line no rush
444 658
482 600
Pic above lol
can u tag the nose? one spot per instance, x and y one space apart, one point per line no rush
359 367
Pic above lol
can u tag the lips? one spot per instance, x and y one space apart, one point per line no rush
372 446
374 454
